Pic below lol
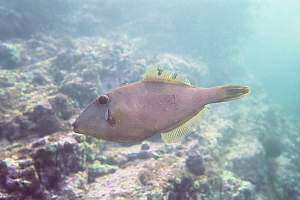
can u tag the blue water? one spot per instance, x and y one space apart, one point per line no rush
259 37
272 52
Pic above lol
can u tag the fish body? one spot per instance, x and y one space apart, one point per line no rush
137 111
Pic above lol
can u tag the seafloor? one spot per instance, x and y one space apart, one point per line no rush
242 150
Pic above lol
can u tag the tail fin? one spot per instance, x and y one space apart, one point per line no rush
229 92
232 92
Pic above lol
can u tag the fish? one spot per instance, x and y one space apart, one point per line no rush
163 102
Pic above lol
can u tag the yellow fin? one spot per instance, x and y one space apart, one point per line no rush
175 135
162 75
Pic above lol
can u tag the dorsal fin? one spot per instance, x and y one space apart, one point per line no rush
162 75
175 135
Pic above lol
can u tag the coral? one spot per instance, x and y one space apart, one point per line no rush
194 163
9 56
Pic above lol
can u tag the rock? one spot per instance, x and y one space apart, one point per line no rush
9 56
182 189
62 106
139 155
39 79
112 159
42 120
236 189
273 146
247 160
145 177
46 122
11 130
4 196
56 159
18 176
145 146
68 59
97 169
195 163
3 172
45 169
6 83
79 90
155 196
39 143
73 187
25 163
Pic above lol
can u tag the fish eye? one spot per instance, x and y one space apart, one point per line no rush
103 99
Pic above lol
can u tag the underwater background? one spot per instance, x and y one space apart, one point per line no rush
57 56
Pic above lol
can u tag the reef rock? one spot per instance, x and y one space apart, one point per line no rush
236 189
39 169
195 163
73 187
80 90
62 106
246 158
41 121
56 159
97 169
9 56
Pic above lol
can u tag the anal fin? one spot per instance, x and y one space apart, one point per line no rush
176 134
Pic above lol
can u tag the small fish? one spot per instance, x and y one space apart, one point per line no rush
164 102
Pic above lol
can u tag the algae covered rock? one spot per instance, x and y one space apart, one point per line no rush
53 166
80 90
56 159
73 187
19 177
97 169
9 56
62 106
40 121
195 163
45 120
246 158
234 188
